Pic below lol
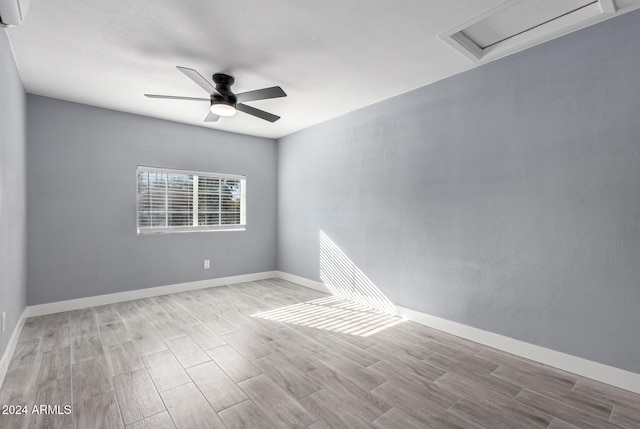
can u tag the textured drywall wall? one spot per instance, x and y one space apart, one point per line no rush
13 235
506 197
81 184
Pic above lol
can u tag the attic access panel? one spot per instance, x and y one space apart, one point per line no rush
519 24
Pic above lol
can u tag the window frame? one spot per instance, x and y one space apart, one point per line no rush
146 230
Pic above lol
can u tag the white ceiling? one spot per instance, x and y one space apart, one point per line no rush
330 56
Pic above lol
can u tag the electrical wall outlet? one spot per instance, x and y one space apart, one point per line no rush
4 321
207 264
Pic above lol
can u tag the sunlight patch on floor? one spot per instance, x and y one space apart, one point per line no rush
334 314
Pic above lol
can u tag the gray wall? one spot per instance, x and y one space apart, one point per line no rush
506 198
82 202
13 238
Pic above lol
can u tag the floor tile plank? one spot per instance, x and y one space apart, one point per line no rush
403 360
248 345
233 363
413 401
216 386
205 337
287 377
165 370
137 396
187 351
478 386
334 410
485 416
560 424
55 337
368 405
56 396
562 411
113 333
246 415
91 378
606 394
157 421
538 379
275 401
626 416
54 365
397 419
189 409
86 347
123 357
26 353
148 341
98 412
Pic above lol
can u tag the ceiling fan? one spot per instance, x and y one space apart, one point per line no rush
223 101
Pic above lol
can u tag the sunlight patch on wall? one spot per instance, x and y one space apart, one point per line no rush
334 313
344 279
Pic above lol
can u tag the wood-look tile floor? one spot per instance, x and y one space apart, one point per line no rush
253 355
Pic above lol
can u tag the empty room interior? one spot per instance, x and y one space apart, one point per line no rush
339 214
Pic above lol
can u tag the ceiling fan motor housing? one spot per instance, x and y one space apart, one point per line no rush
223 86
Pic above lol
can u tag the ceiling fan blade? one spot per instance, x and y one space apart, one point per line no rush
257 112
211 117
261 94
198 79
174 97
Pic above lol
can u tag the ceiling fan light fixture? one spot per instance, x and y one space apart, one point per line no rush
223 109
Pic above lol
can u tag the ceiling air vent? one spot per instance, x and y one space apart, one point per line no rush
519 24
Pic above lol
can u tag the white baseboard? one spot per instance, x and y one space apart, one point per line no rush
112 298
573 364
11 346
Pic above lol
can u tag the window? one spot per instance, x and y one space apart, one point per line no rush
181 201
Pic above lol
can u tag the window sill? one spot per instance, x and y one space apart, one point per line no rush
154 231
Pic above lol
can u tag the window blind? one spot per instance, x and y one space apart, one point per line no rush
177 200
